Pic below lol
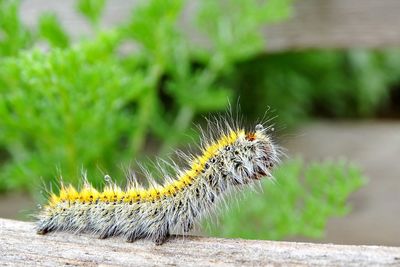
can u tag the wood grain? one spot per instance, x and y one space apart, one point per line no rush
315 23
338 24
20 245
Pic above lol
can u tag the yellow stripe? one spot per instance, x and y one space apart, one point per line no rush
110 194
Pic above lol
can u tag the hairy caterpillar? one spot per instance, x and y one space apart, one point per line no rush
230 159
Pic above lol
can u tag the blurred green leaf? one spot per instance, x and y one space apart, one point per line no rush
51 30
14 36
91 9
234 27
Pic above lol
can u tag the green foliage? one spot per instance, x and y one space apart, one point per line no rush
55 109
298 203
13 34
234 29
51 30
87 105
91 9
153 25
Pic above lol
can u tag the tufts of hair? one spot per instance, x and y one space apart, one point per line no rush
231 159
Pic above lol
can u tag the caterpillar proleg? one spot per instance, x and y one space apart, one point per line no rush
230 159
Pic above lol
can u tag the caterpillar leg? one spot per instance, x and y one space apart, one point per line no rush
109 231
103 235
188 226
44 228
131 238
134 235
161 238
42 231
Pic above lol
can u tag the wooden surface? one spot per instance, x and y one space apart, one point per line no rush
315 23
338 24
19 245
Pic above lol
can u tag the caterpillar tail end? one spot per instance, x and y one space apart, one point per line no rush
43 227
42 231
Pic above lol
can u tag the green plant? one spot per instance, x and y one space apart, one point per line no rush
55 110
14 36
87 105
51 30
91 10
298 203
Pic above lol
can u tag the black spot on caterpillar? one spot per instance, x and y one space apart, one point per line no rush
227 163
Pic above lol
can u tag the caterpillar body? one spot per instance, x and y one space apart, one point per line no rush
230 160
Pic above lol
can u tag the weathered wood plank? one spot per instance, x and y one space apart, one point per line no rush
19 245
338 24
315 24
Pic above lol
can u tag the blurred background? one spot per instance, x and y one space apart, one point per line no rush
98 85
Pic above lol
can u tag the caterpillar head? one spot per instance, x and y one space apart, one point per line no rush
253 156
266 156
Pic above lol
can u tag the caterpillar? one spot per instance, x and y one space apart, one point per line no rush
230 159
